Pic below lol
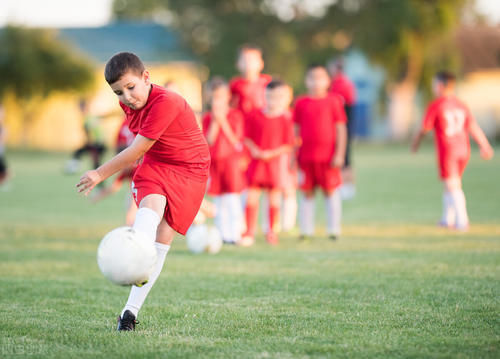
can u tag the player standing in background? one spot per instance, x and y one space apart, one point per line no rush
94 143
343 87
321 122
124 139
4 173
268 135
452 123
170 183
223 128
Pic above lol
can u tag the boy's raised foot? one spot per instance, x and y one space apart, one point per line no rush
127 322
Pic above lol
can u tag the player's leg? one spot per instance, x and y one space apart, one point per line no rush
131 210
236 217
453 189
251 215
333 213
307 203
137 296
274 216
222 220
289 208
149 215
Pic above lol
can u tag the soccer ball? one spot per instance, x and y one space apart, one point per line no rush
203 238
126 256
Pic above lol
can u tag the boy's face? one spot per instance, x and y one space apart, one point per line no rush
132 89
277 99
250 62
317 80
220 98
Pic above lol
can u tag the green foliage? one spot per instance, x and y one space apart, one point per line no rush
34 63
401 35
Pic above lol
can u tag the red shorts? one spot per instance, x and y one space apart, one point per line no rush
319 174
184 194
265 174
450 166
226 176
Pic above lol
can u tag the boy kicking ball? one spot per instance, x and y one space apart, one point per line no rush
452 123
169 185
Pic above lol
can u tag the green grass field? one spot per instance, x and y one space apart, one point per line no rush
393 286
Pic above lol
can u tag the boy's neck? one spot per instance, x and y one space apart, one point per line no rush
251 77
275 113
316 94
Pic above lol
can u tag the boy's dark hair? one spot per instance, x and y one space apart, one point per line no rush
314 66
445 77
275 83
216 83
249 47
120 64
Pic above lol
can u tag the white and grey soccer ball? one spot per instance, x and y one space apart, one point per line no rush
202 238
126 256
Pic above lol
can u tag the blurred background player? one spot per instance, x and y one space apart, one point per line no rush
321 122
342 86
124 139
289 165
223 128
452 123
248 89
94 141
268 135
4 173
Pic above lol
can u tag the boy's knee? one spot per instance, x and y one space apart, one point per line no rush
156 202
165 234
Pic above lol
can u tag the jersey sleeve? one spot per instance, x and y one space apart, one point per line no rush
238 126
160 117
429 118
338 110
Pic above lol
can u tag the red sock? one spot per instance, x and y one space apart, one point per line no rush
274 215
251 213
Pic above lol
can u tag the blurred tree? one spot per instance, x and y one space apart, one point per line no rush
411 39
34 64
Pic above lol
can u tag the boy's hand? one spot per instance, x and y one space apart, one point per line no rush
266 155
486 152
88 181
338 161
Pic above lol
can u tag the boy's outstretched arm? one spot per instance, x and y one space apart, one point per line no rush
122 160
341 143
417 140
478 135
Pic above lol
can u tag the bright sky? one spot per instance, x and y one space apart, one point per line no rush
81 13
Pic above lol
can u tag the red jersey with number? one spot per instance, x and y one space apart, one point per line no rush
168 119
317 119
342 86
450 119
249 96
222 147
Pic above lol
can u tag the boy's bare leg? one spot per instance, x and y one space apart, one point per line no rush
454 193
333 212
251 214
274 216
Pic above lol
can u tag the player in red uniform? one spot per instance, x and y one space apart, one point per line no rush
124 139
268 135
342 86
248 89
223 128
170 183
321 123
452 123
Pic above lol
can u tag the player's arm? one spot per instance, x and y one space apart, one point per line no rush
228 131
122 160
255 150
340 144
478 135
213 132
269 154
415 144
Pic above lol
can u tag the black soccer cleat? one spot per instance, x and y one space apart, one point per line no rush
127 322
333 237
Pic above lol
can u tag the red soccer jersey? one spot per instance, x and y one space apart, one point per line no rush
342 86
450 119
222 147
249 96
317 119
125 137
168 119
269 133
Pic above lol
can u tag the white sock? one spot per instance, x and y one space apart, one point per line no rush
289 212
236 218
306 219
264 208
459 204
448 217
333 213
147 221
222 216
138 294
